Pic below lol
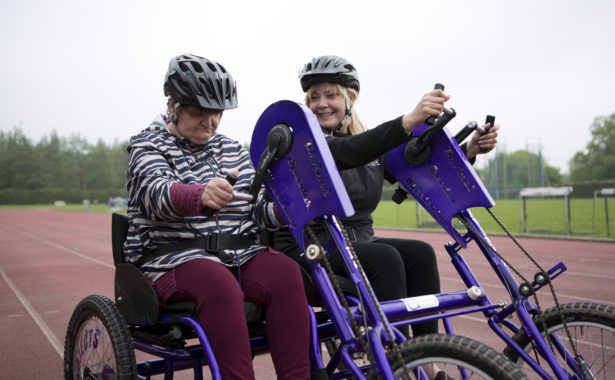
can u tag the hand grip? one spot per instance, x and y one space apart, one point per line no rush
208 211
490 120
465 132
399 195
432 119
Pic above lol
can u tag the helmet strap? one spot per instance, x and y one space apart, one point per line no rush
175 118
348 112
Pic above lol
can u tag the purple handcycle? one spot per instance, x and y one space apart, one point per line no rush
569 341
292 160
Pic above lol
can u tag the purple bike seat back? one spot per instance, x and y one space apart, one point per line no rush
305 184
445 184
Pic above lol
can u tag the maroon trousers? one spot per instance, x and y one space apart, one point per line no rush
270 279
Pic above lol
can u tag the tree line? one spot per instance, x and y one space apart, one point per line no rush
59 168
72 169
590 169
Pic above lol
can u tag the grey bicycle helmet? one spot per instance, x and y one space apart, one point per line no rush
329 68
198 81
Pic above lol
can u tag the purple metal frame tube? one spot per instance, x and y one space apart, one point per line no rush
428 304
539 341
375 335
316 361
370 309
334 307
512 285
205 346
528 359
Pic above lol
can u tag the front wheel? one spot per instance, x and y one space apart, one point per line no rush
459 357
592 329
98 344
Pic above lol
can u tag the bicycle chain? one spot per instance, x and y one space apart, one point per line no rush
372 295
535 297
340 295
338 291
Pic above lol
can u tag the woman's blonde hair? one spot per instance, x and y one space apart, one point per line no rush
353 124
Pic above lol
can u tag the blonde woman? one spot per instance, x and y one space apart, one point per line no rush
396 268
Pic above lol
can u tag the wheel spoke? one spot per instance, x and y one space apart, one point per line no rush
592 330
96 332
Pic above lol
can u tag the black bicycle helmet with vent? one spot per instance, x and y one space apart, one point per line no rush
198 81
329 68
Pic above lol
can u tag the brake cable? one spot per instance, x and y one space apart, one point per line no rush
534 295
338 290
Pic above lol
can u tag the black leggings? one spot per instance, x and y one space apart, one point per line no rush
421 273
396 268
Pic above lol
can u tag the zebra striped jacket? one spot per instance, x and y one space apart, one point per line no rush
157 160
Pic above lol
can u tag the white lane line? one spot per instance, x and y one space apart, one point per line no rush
55 342
591 275
72 252
481 320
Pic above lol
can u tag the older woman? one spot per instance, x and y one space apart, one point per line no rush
396 268
194 242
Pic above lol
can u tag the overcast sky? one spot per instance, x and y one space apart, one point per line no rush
545 69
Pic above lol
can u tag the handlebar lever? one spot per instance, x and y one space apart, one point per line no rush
243 197
432 119
417 150
399 195
279 142
490 120
466 131
208 211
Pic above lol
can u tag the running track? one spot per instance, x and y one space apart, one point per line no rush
50 260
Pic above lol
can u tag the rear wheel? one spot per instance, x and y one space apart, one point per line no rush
592 329
458 356
98 344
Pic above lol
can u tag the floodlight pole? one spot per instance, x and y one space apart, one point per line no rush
606 209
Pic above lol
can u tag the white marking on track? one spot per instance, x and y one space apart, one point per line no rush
71 251
55 342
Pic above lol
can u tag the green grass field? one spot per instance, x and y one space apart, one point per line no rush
543 216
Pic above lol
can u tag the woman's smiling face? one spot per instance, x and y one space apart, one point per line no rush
328 104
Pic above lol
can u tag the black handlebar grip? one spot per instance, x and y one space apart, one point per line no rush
399 195
232 179
432 119
490 120
208 211
465 132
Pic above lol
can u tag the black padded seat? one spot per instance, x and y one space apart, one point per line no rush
134 295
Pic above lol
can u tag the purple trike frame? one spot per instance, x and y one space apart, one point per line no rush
306 186
447 186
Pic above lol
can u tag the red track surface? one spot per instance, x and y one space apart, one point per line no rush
50 260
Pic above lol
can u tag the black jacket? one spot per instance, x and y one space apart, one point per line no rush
361 160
